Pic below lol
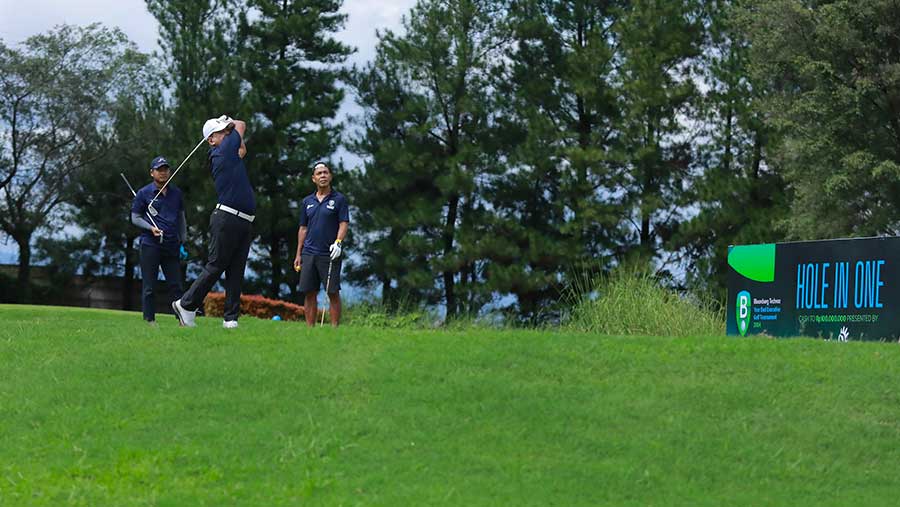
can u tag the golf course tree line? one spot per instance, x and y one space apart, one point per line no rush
506 146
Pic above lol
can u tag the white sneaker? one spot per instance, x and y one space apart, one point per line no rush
229 324
185 317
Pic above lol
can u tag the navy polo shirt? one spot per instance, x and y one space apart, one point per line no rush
169 207
230 175
321 220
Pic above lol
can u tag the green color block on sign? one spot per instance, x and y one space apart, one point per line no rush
756 262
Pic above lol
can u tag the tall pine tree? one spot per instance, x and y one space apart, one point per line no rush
442 68
660 45
291 64
741 196
553 212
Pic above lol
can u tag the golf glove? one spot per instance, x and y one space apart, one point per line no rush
335 250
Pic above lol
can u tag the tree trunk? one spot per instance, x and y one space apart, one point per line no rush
274 262
450 273
387 296
128 281
23 280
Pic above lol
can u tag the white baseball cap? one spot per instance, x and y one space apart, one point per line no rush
215 125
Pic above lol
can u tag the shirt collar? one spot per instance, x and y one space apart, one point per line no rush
314 196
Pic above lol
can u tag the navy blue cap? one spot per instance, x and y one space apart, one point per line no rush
159 162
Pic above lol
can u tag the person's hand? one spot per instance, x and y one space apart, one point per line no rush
183 253
156 231
335 250
297 263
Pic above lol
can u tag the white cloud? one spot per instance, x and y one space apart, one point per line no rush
19 20
364 18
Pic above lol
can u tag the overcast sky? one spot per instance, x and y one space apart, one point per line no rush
22 18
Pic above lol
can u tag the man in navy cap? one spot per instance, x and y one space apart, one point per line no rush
164 230
324 221
230 226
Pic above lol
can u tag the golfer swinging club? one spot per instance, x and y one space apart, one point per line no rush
231 223
162 239
324 219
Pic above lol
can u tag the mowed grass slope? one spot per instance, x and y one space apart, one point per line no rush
96 408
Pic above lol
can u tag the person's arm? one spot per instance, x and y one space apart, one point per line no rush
343 219
139 221
138 209
241 129
301 237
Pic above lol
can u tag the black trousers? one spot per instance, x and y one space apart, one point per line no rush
230 238
152 258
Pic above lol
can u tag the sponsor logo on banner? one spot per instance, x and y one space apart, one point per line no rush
743 312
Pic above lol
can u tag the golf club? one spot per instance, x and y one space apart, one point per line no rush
150 207
149 215
327 285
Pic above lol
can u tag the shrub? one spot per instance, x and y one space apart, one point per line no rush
253 305
374 315
634 303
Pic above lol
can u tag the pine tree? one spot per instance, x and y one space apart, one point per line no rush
291 66
741 196
442 130
553 212
660 44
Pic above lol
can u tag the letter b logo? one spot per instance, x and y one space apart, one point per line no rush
742 312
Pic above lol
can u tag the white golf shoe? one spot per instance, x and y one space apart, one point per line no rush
185 317
229 324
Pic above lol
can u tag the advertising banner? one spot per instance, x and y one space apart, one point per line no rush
847 289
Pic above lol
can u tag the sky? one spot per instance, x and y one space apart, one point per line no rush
19 20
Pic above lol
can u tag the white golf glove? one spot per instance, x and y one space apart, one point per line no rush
335 250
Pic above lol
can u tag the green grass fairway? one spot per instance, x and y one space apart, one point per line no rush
96 408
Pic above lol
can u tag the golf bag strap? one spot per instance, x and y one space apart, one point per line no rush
229 209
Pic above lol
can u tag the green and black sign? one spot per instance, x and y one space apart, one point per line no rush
846 289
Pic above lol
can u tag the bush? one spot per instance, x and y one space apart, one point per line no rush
634 303
374 315
253 305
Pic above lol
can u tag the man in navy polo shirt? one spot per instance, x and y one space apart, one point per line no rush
160 243
324 219
231 223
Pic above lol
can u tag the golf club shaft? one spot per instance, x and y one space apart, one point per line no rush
176 170
129 184
148 212
327 286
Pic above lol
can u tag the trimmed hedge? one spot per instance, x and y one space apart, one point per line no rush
254 306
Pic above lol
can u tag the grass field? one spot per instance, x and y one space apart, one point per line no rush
97 408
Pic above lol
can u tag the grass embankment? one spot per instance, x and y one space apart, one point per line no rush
96 408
